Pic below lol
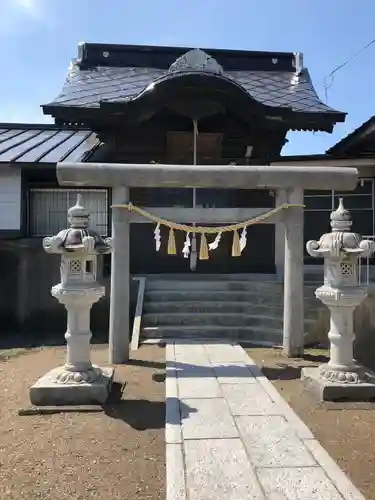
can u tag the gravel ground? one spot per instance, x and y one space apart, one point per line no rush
346 431
115 454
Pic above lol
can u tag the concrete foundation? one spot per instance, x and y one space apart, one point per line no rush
334 391
46 392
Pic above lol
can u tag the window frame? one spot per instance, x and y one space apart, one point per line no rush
53 187
334 195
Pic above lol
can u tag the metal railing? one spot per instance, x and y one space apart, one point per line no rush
364 267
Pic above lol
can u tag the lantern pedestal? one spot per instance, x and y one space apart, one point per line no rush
48 392
78 382
342 378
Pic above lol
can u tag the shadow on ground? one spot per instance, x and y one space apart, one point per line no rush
283 368
283 372
140 414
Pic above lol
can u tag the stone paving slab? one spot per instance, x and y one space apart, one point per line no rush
192 361
194 353
173 431
300 427
207 419
176 487
169 352
170 381
189 370
219 469
230 434
272 442
250 399
333 471
304 483
233 373
224 353
198 388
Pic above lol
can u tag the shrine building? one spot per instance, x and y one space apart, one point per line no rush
146 105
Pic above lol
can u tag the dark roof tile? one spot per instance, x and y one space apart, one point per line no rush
105 73
87 88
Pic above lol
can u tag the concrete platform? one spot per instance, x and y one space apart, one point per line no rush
230 434
45 392
334 391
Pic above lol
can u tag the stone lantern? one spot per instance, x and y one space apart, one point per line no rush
342 377
78 381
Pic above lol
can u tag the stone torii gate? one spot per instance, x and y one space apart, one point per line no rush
289 182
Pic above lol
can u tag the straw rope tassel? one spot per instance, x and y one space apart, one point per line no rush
171 243
203 251
236 246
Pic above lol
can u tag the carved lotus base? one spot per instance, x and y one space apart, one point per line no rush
356 376
65 376
62 387
337 385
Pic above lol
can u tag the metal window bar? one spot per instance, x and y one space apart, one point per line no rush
364 269
49 206
365 263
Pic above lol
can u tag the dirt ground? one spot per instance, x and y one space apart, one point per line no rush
115 454
346 431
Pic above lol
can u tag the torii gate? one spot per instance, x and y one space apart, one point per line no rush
289 182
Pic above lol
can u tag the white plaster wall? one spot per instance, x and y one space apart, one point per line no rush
10 198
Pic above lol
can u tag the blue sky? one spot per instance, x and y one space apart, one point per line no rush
39 37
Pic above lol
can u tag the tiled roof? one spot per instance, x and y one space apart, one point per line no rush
89 87
44 143
119 74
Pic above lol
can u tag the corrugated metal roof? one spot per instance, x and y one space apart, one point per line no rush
24 143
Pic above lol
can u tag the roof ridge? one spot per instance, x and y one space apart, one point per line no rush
100 54
178 48
42 126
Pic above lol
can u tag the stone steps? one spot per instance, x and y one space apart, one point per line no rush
271 298
220 285
207 332
211 277
236 307
212 306
214 319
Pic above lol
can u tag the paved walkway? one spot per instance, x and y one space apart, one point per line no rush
231 436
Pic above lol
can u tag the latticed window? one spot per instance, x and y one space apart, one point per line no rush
49 207
75 267
347 269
